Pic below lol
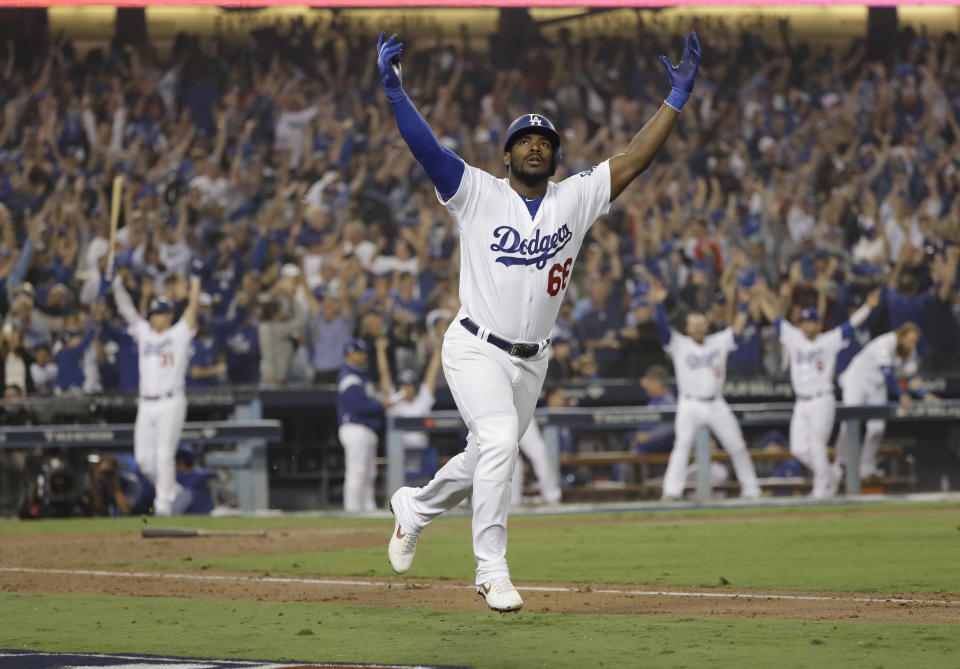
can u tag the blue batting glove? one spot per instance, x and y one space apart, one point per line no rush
388 60
683 75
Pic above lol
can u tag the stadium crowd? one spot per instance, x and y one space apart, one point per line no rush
809 169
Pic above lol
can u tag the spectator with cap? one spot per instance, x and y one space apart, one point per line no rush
29 324
69 359
654 438
107 494
360 415
206 368
195 495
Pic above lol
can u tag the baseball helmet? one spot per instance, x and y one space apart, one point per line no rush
408 377
534 123
159 305
356 344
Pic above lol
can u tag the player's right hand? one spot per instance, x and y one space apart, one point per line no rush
388 61
906 402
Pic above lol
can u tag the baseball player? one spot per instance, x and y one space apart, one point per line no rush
534 449
410 397
871 375
361 417
164 349
519 237
700 366
813 358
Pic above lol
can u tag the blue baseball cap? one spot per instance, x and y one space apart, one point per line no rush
356 344
810 314
746 278
159 305
408 377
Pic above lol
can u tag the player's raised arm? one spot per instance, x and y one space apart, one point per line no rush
190 313
125 302
381 344
443 166
860 316
644 146
657 295
433 367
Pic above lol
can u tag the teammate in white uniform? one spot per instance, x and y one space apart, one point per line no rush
534 449
813 358
871 375
519 237
164 354
700 367
410 397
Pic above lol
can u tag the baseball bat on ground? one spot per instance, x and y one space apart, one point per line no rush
180 532
116 200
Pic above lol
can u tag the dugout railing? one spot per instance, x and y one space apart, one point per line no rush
629 418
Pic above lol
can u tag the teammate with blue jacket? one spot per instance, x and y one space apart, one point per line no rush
360 413
519 237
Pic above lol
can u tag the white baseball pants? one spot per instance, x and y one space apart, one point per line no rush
693 414
854 393
360 466
156 434
810 427
534 448
496 395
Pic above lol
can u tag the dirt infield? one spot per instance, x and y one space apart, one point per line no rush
75 564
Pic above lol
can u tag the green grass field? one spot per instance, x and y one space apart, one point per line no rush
903 549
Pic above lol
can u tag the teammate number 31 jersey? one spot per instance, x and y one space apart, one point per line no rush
163 357
514 271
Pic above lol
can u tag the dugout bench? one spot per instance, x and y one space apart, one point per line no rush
629 418
248 433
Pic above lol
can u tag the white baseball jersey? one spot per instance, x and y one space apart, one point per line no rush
163 357
514 271
700 368
811 362
868 366
419 406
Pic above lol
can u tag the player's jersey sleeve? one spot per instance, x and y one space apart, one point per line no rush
139 330
183 334
593 194
466 203
424 399
833 340
727 339
789 333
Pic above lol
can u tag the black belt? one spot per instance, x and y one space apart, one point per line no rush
164 396
516 350
699 399
813 397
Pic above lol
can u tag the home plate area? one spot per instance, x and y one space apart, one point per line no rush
32 659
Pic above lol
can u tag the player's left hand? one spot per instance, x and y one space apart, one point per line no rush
388 61
683 75
873 299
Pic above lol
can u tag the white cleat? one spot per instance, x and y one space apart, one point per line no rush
500 594
403 542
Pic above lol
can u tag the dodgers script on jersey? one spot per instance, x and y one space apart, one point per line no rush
811 362
514 271
163 357
867 367
701 368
